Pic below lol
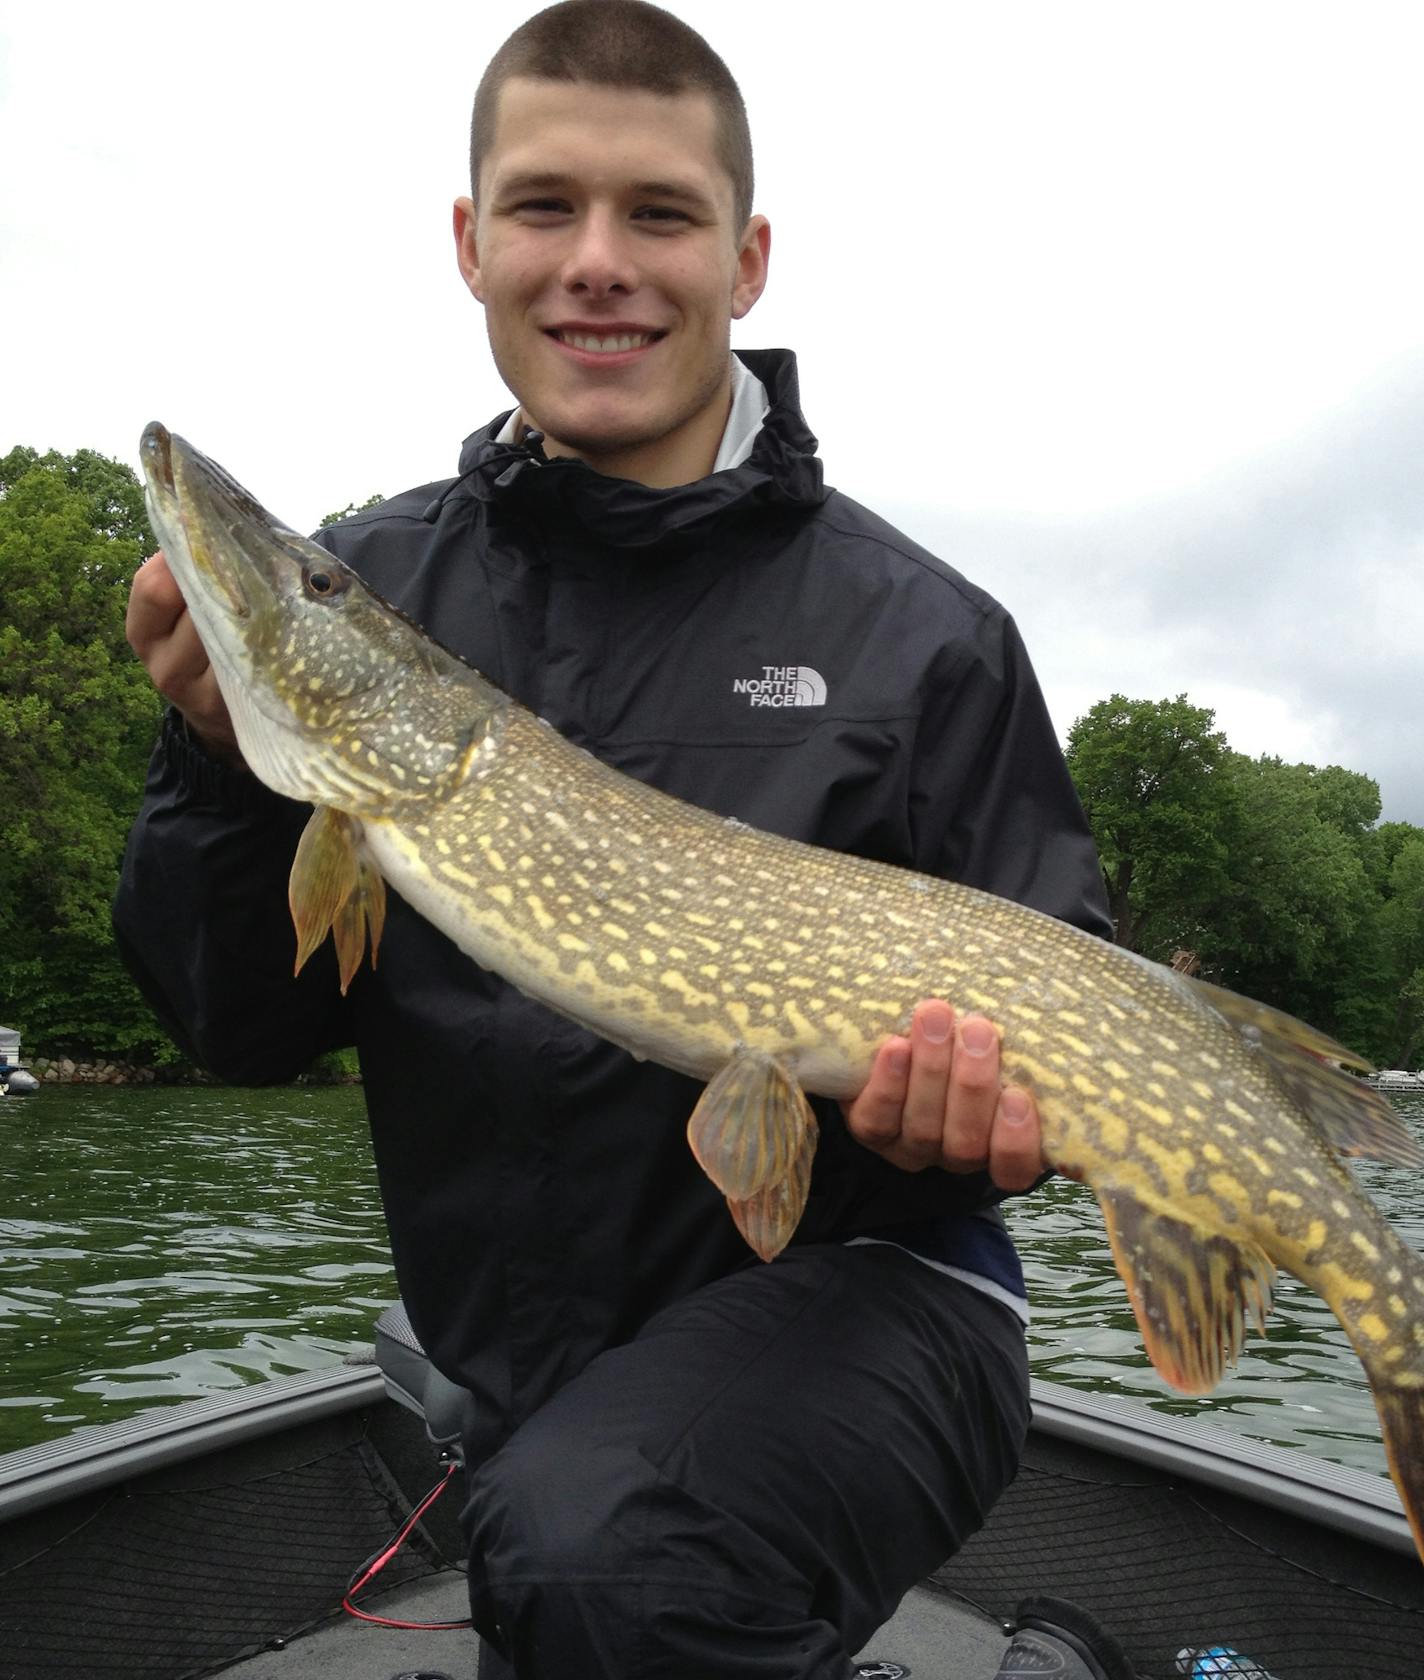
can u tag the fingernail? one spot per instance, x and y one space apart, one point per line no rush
1013 1107
937 1023
977 1035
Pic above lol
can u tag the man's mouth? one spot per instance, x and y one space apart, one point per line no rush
604 344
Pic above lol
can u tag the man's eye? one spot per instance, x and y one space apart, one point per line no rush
660 213
542 207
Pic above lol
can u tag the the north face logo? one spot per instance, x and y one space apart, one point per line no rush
783 685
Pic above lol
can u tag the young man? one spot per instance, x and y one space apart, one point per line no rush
683 1463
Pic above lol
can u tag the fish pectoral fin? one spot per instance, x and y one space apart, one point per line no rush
1191 1293
365 908
754 1135
1353 1118
332 888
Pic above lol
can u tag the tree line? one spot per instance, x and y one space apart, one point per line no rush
1275 879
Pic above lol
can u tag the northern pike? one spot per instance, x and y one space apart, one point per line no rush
1210 1128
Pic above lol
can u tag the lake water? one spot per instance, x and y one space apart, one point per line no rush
158 1244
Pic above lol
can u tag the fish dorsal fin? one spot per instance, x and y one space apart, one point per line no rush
754 1135
1191 1293
1353 1118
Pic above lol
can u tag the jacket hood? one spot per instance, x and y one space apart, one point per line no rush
782 470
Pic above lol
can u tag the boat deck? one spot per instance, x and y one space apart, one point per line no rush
932 1635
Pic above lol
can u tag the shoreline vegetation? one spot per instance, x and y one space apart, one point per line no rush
337 1069
1276 880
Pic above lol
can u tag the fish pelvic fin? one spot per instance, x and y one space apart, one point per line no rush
1353 1118
1191 1293
333 889
754 1135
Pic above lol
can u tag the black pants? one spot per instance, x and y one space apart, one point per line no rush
750 1487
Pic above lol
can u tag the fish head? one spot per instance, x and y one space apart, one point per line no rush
335 696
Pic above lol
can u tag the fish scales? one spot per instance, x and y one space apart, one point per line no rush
1210 1128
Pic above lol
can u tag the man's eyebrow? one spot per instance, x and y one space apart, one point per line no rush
553 180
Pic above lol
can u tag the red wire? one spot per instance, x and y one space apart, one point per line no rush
379 1562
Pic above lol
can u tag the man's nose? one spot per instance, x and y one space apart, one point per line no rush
600 259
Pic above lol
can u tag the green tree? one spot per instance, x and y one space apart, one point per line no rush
1296 919
77 721
352 507
1148 773
1403 921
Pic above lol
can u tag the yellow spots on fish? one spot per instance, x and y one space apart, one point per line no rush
752 943
1078 1046
656 930
699 920
649 959
452 872
1230 1189
740 1015
1374 1327
1276 1147
1235 1110
1213 1154
1200 1088
804 1030
1306 1177
1335 1280
1169 1044
1158 1113
759 988
501 894
1192 1113
675 981
617 962
1284 1198
493 857
1397 1306
709 971
1359 1240
1085 1087
1176 1163
1113 1128
538 911
1128 1046
1227 1130
1258 1161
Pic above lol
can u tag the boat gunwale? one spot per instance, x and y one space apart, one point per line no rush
1347 1500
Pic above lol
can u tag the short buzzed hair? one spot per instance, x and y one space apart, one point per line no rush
624 44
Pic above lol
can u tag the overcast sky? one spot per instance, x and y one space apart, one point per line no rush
1118 307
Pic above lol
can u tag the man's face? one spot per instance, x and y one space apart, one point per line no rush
604 251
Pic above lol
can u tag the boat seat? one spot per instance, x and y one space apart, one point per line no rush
410 1378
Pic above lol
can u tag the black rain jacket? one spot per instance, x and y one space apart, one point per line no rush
753 642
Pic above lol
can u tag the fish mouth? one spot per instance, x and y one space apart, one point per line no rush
191 506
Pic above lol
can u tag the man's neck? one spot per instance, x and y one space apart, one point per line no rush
685 456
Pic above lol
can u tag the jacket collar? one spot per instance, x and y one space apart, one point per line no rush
782 470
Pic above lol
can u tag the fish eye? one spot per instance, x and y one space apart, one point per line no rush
325 582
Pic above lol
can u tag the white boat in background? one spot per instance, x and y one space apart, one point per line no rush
15 1081
1397 1079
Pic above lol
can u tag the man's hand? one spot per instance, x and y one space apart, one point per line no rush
934 1100
164 637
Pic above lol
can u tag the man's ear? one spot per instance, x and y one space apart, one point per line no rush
467 252
753 259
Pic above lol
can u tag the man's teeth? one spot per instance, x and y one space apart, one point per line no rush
618 341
